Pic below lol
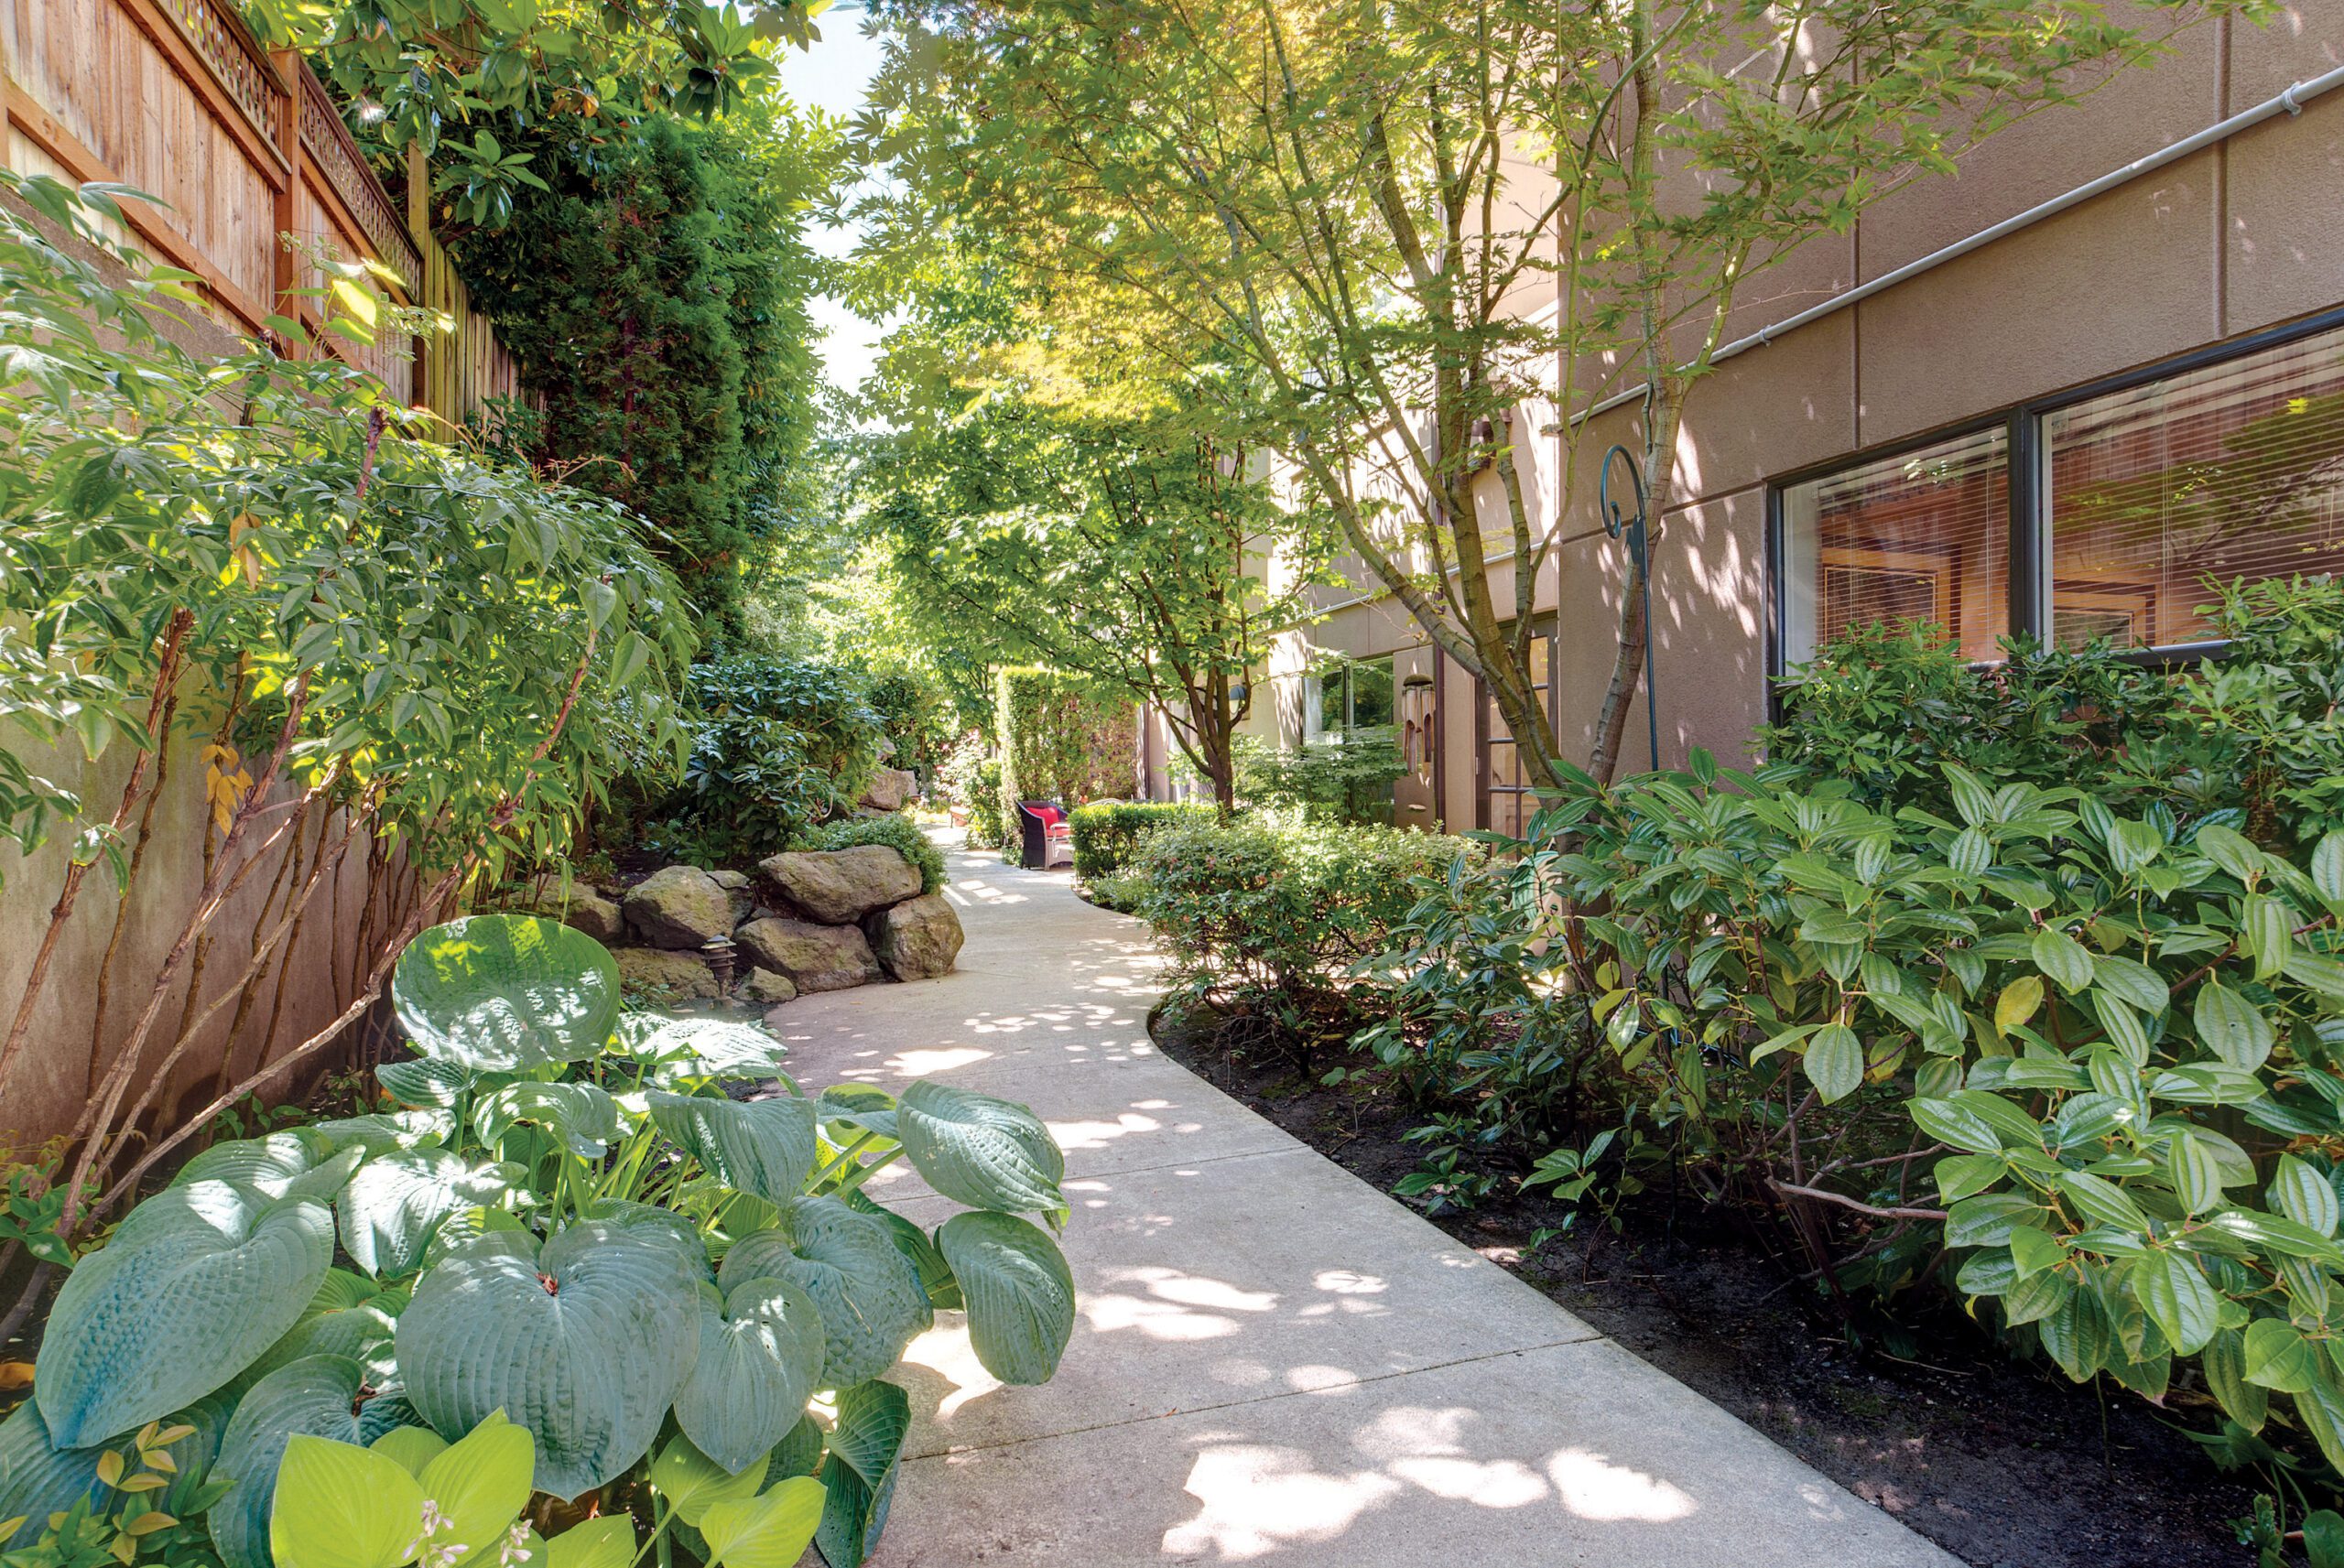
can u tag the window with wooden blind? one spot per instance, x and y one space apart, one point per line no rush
2154 492
1922 537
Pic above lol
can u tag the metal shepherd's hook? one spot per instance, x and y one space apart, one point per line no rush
1632 529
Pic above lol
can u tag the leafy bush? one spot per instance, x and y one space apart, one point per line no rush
2069 1023
1107 835
778 744
1348 780
2108 1029
896 831
973 780
1885 708
1255 910
1125 893
917 715
264 566
569 1220
2260 730
2262 727
1475 1022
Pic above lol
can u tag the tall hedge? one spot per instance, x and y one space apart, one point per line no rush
656 296
1059 740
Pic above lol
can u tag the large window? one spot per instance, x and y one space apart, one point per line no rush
2235 470
1920 537
2103 515
1347 697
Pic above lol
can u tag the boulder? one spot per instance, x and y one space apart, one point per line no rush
768 987
917 939
656 970
814 958
583 910
679 906
890 789
839 887
738 894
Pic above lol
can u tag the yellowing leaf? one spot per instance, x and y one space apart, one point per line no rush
2018 1003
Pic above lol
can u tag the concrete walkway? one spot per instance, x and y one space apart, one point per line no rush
1273 1362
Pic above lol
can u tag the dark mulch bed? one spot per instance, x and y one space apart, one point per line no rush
1996 1461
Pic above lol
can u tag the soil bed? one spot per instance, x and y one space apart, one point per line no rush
1994 1460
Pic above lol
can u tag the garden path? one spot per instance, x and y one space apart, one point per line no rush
1271 1362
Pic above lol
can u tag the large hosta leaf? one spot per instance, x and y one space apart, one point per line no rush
761 1349
851 1110
935 1273
585 1343
867 1290
584 1117
764 1147
37 1477
505 991
270 1164
425 1082
339 1506
350 1316
197 1282
859 1469
395 1203
983 1152
1019 1292
387 1130
317 1396
651 1223
770 1530
466 1224
694 1483
680 1049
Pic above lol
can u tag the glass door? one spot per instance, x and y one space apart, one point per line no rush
1507 804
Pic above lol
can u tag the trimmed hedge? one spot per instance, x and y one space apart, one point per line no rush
899 833
1107 835
1250 907
1060 741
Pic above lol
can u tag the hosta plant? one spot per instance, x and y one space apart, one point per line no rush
634 1239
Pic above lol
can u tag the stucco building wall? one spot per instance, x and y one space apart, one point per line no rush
2239 237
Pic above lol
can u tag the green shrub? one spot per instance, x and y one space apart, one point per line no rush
1475 1022
973 783
1108 835
2075 1025
777 745
1125 893
2095 1036
1252 908
547 1144
654 293
1348 780
899 832
2260 730
1885 708
917 715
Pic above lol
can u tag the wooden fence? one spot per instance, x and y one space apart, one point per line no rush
178 99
